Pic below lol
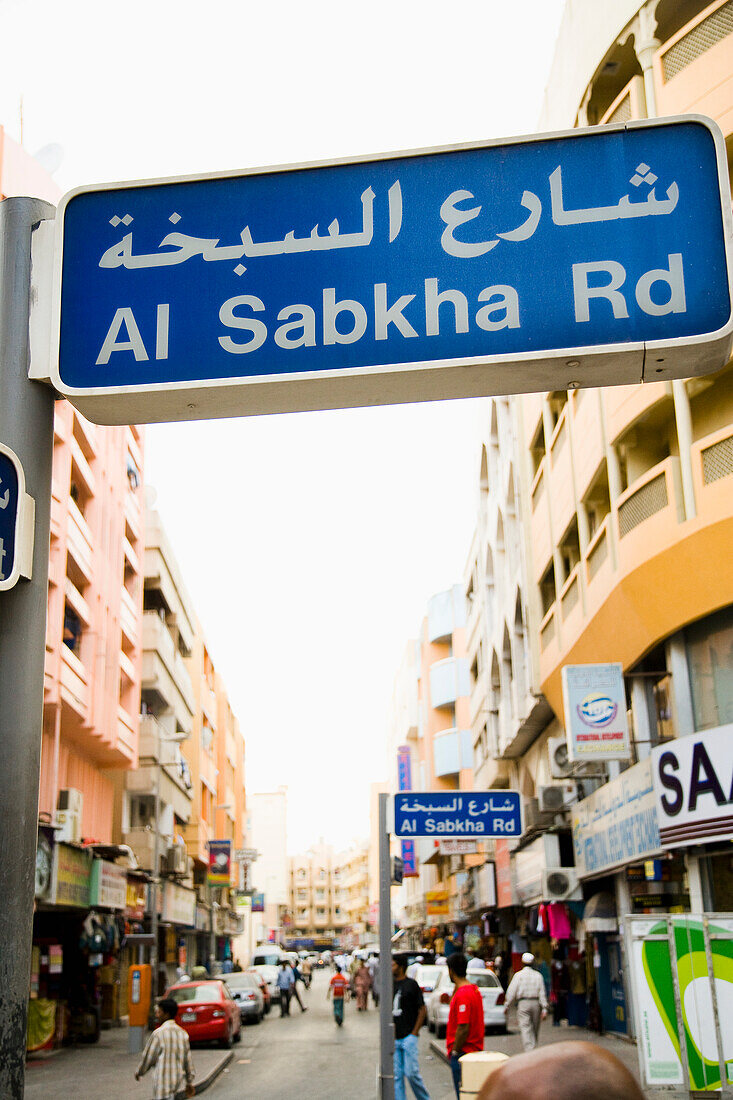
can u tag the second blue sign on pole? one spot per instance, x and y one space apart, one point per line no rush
443 814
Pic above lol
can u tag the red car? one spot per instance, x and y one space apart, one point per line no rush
207 1011
264 987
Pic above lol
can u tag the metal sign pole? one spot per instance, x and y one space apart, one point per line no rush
26 425
386 1025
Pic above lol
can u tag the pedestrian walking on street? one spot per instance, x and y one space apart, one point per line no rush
338 986
373 965
285 983
408 1015
298 977
563 1071
362 985
168 1051
306 969
527 988
465 1030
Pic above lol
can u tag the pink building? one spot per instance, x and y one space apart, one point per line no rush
94 629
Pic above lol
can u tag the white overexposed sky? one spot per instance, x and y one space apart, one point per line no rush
311 542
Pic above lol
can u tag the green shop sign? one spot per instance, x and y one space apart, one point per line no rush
682 979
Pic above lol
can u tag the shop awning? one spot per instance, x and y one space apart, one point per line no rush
600 913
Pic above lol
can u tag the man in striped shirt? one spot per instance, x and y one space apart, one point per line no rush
169 1051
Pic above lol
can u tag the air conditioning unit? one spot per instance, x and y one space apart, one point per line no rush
534 817
176 861
67 818
561 884
557 798
560 765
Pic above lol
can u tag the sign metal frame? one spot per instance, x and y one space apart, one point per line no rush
24 527
394 383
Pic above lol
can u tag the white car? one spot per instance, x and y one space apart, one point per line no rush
492 994
269 973
426 976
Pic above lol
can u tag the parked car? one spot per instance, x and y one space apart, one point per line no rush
492 994
264 987
246 991
267 955
269 973
207 1011
426 976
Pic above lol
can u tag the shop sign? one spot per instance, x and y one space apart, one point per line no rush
457 847
594 701
693 781
108 886
670 960
220 858
135 898
258 903
179 904
504 891
404 783
72 869
437 903
617 824
529 864
243 904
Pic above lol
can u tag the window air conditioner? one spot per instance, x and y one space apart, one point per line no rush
557 798
534 817
560 766
176 862
67 818
561 884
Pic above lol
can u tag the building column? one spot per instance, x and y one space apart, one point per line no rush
683 419
645 47
645 726
681 689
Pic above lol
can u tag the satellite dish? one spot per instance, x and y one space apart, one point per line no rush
50 157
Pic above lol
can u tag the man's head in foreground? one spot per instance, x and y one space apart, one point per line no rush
563 1071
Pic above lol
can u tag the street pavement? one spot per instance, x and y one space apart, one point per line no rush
304 1055
308 1057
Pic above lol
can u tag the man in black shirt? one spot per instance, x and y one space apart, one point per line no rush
408 1013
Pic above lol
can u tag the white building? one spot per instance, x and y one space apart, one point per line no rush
268 834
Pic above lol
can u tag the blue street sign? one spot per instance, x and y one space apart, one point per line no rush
443 814
412 277
12 492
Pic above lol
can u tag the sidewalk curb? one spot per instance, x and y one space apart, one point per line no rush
204 1083
439 1048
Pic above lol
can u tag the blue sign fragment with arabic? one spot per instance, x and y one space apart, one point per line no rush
443 814
600 238
9 513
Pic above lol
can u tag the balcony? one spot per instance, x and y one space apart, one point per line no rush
74 682
598 563
452 751
560 483
587 438
449 680
693 71
712 464
626 404
541 540
649 513
79 540
129 616
446 613
142 842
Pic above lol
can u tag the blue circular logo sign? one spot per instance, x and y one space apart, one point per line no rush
597 710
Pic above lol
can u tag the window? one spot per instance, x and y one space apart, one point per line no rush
547 588
72 629
709 649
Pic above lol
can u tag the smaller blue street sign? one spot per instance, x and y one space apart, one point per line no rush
458 814
12 494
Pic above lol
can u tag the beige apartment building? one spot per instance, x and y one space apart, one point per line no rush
316 898
619 507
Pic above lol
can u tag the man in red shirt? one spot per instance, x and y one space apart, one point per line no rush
465 1032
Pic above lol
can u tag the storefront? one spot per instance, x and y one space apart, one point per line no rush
178 930
618 860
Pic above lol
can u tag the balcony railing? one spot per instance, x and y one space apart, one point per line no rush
449 680
452 751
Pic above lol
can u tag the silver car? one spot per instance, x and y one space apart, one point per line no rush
247 995
492 995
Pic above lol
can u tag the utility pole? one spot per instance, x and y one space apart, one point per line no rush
386 1024
26 426
154 952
